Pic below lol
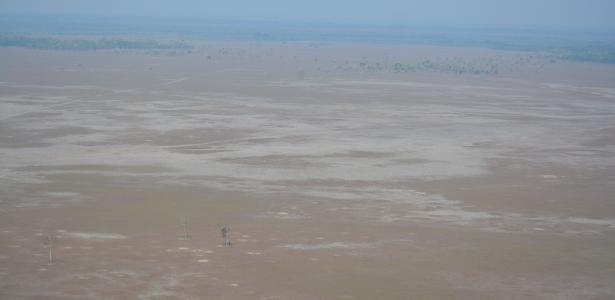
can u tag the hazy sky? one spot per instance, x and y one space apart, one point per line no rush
593 14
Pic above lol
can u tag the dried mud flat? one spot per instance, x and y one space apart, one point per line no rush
336 184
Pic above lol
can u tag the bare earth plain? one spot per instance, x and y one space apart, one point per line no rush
337 182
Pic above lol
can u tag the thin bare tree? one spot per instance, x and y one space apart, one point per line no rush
225 230
49 243
184 223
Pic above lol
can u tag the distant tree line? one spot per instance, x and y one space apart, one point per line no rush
46 43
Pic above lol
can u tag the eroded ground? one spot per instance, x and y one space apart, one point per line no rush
337 182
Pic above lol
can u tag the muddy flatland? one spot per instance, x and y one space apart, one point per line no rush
336 183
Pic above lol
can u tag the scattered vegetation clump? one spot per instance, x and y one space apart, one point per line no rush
589 54
495 65
455 66
46 43
446 66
